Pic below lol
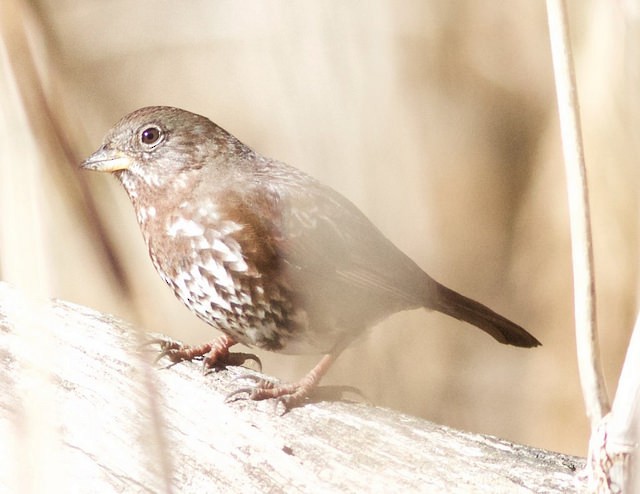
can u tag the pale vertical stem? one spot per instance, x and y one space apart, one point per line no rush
591 378
623 426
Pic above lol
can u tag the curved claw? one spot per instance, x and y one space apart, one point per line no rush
166 351
166 346
155 341
233 396
243 357
257 380
254 392
214 360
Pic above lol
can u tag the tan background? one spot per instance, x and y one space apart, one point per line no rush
437 118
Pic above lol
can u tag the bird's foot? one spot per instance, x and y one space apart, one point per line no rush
287 395
214 355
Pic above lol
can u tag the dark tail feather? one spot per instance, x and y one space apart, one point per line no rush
456 305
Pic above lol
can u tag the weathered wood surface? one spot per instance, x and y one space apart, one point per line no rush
83 410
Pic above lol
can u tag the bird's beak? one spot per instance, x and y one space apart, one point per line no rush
106 160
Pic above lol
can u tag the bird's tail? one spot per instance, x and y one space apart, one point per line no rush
453 304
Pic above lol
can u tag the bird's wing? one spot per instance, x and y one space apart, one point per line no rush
345 241
320 235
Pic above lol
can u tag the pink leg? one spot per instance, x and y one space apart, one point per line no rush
290 395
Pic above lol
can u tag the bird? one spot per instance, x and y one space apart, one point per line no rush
264 252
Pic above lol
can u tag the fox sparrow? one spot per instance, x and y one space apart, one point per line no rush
264 252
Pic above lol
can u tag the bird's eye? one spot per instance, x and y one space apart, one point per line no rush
151 136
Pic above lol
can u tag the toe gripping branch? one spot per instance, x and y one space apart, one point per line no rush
214 355
217 355
289 395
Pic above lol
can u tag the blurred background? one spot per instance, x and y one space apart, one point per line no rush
437 118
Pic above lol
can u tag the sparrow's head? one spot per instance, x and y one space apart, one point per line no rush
160 147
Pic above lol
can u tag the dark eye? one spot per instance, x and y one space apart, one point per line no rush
151 136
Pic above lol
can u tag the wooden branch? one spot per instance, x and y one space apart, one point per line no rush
82 409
